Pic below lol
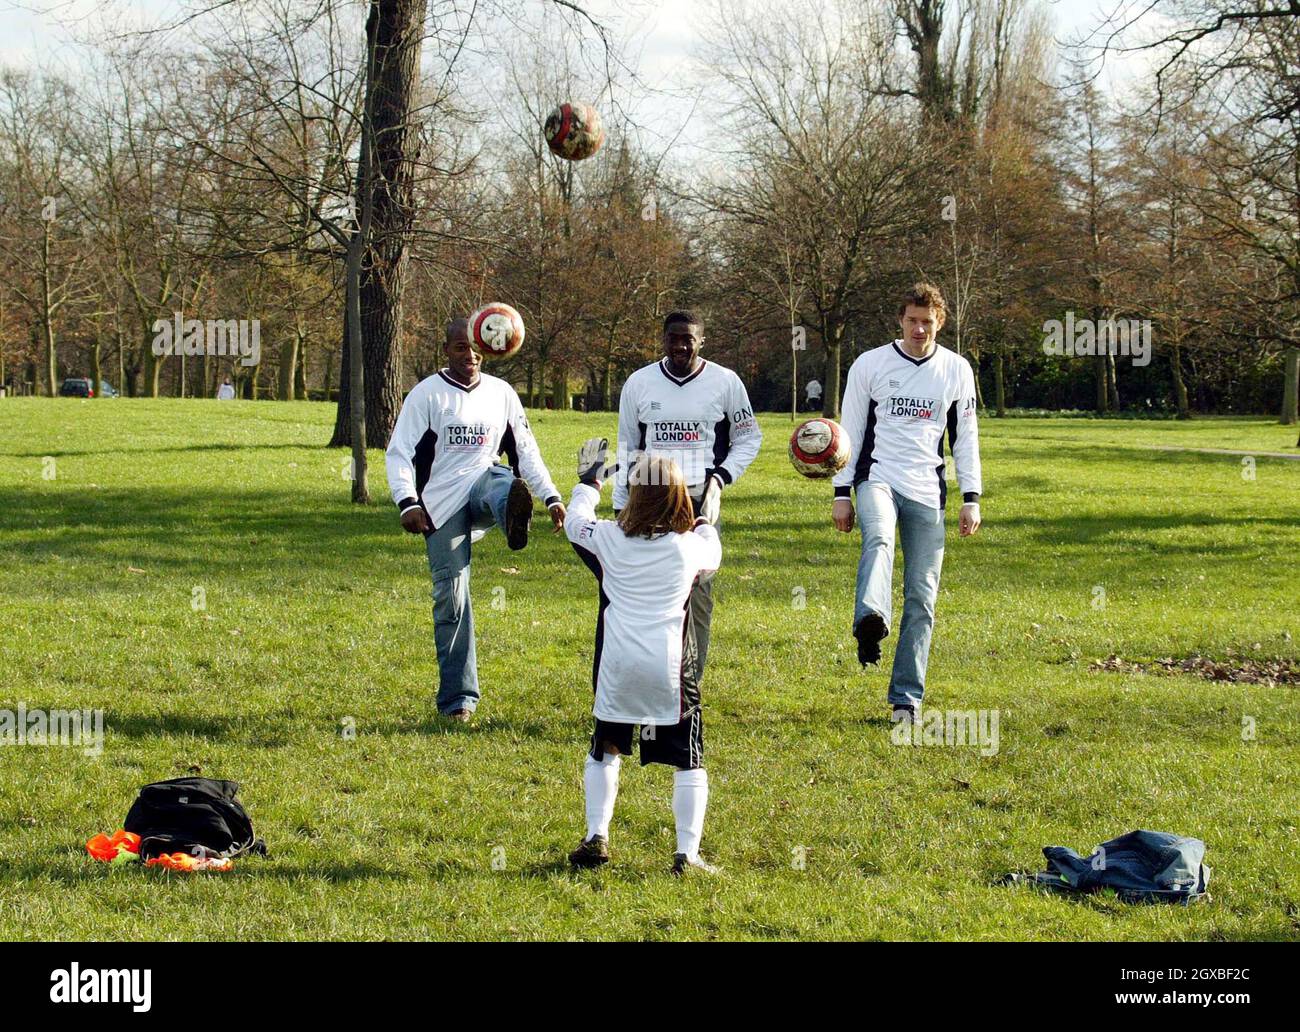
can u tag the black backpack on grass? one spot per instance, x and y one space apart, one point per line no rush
197 816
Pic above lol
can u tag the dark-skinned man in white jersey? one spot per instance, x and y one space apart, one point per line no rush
448 485
697 413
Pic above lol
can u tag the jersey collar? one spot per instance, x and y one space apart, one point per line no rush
681 381
917 361
457 384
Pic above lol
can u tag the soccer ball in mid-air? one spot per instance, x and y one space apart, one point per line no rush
498 329
573 131
819 448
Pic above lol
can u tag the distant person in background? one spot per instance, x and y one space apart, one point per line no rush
226 392
814 390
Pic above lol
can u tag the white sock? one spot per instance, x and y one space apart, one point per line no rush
690 798
600 777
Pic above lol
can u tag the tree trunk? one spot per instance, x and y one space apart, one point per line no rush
560 391
288 368
794 385
831 373
1112 381
97 372
974 352
47 315
356 373
1291 385
51 357
394 35
1103 395
999 382
1180 388
152 372
300 377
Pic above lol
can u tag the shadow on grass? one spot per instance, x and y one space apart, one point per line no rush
169 724
192 533
92 871
1088 530
255 869
438 725
549 868
273 730
238 532
226 447
334 872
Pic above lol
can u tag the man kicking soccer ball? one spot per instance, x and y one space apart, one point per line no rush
698 414
898 401
647 666
448 486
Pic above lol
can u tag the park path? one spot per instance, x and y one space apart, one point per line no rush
1175 448
1217 451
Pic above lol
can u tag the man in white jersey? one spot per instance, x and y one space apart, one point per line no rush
898 402
698 414
447 483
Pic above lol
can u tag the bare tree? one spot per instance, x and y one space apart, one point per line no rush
39 233
821 161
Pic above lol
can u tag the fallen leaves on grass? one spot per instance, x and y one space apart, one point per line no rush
1235 669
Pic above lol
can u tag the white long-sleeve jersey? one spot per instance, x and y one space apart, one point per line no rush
896 410
447 434
704 421
645 589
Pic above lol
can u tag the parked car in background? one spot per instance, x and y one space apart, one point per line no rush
106 390
77 387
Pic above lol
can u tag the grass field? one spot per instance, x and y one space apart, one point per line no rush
317 611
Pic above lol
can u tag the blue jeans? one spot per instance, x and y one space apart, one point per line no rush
881 510
453 618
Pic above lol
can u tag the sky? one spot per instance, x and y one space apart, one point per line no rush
664 37
29 28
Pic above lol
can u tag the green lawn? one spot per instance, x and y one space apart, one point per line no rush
317 612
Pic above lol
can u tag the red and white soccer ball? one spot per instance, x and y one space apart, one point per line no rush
573 131
497 329
819 448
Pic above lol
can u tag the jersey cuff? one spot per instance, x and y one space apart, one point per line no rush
552 500
970 496
844 491
720 473
408 503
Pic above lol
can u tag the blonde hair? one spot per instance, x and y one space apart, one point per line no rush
657 501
